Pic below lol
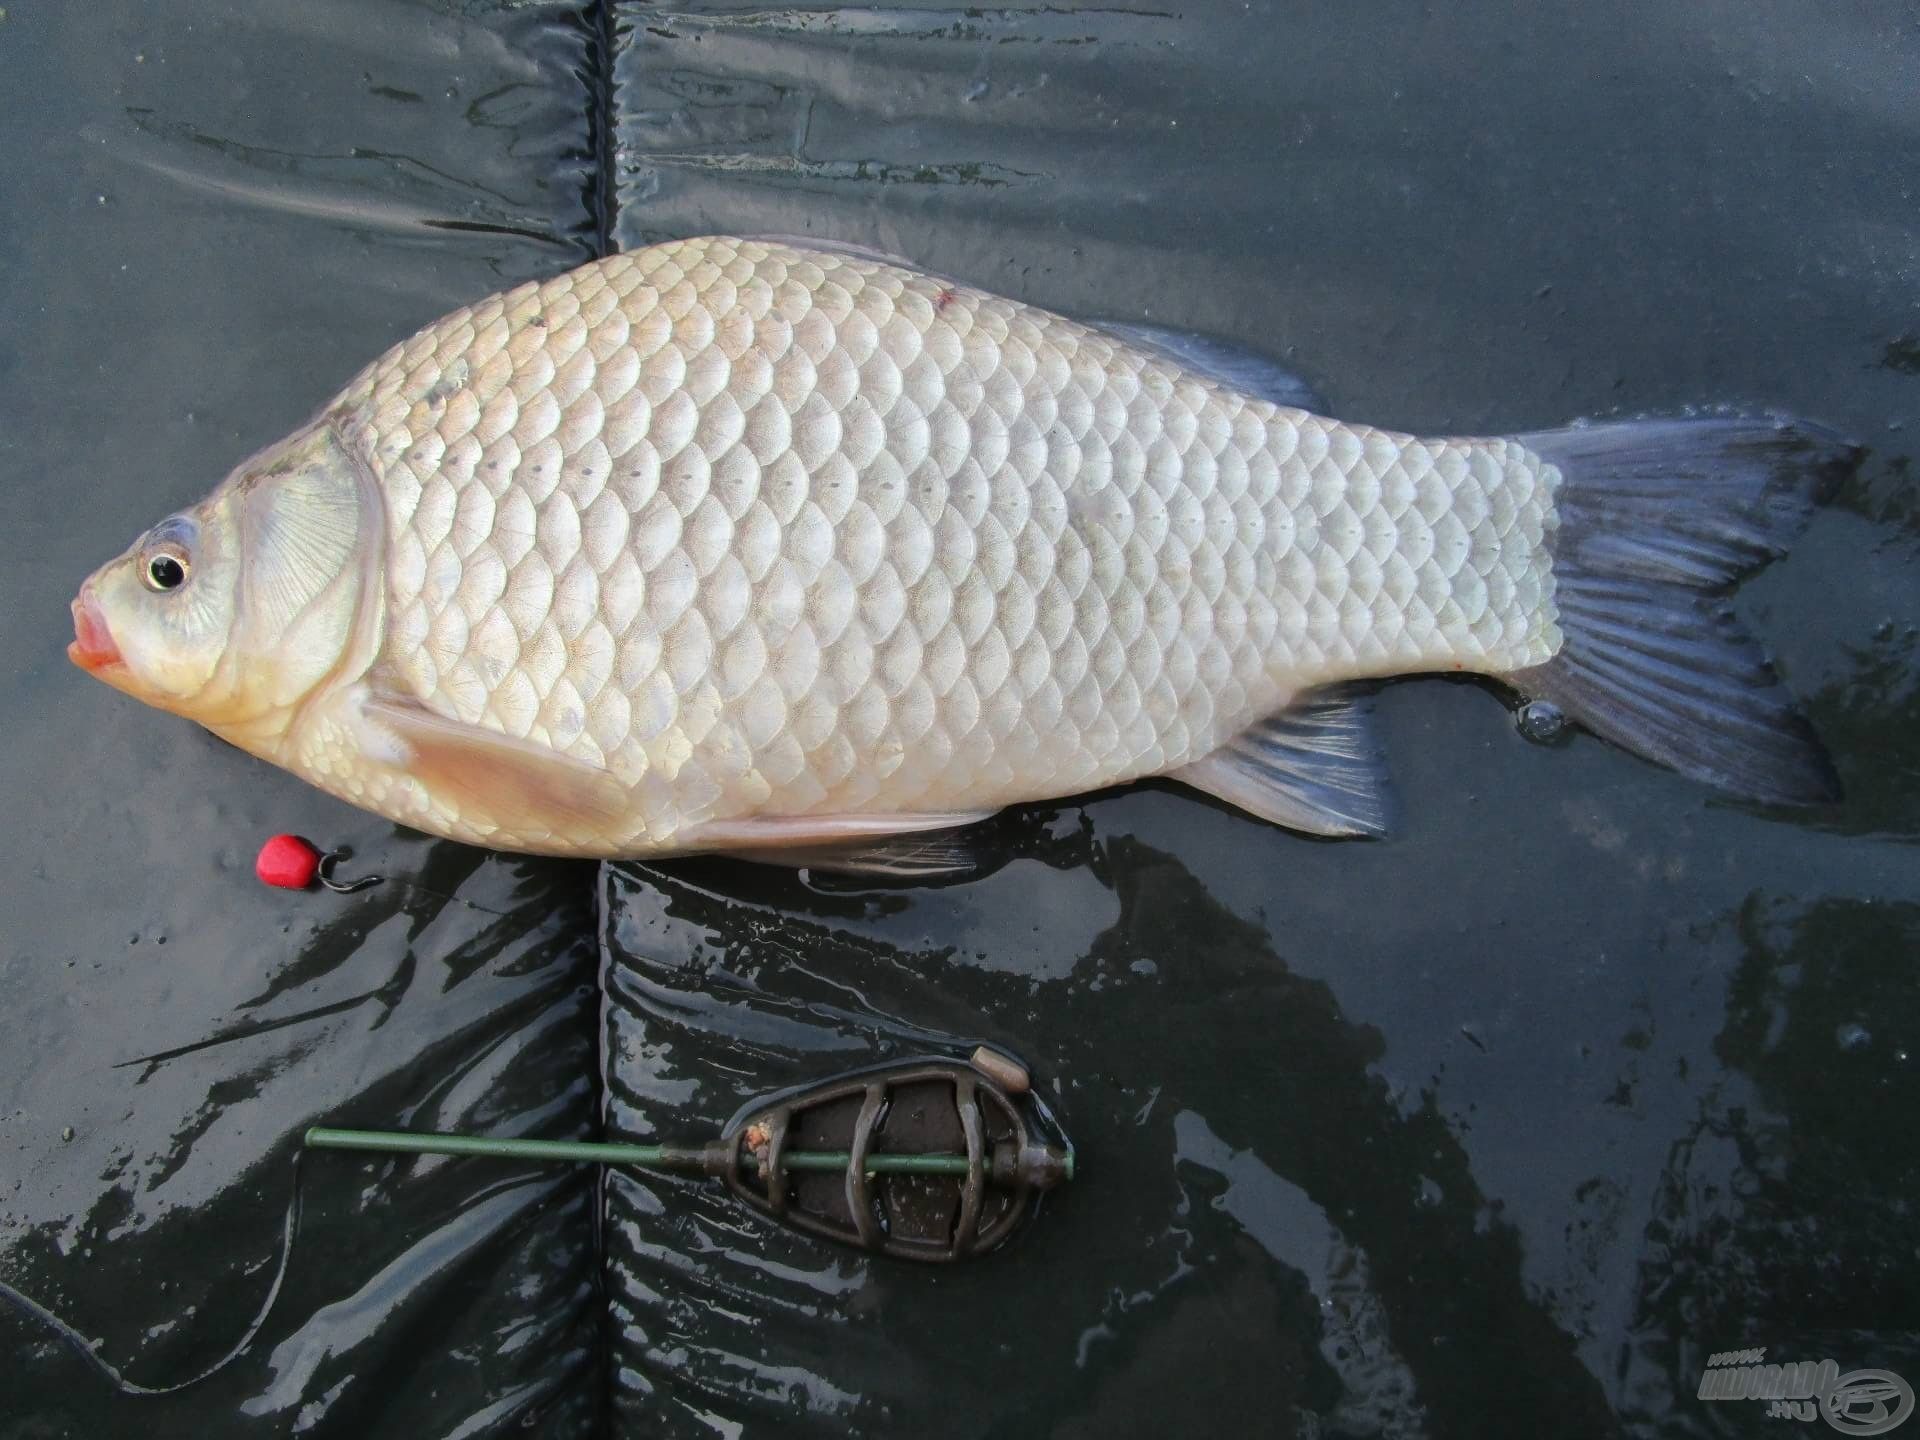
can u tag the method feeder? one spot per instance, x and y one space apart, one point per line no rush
928 1159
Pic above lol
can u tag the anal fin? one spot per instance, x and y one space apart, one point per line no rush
1314 767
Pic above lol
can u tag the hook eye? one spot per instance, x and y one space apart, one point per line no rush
343 887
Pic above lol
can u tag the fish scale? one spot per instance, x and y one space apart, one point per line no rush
764 531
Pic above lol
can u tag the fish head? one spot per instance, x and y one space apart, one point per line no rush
230 612
154 620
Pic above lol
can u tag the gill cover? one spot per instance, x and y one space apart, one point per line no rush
307 525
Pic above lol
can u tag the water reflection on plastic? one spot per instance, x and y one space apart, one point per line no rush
1510 1120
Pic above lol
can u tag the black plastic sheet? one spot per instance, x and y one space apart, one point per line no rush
213 216
1507 1123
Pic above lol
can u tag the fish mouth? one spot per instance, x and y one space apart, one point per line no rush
93 648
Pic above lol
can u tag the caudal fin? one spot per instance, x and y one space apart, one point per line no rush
1658 520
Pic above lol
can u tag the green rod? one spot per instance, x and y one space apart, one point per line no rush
876 1164
408 1142
652 1157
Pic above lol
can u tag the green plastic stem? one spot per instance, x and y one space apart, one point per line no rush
876 1164
407 1142
649 1157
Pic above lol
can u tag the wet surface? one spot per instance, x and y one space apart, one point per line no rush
1505 1123
211 219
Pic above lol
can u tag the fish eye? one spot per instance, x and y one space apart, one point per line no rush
165 566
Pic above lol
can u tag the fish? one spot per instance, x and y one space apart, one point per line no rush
766 547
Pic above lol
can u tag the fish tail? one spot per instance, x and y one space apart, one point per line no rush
1657 522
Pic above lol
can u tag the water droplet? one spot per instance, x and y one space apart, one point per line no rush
66 1132
1541 721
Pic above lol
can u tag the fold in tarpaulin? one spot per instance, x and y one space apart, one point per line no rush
1506 1123
233 209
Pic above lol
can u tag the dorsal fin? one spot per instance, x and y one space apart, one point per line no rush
1226 361
843 247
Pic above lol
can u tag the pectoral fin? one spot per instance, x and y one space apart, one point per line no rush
1315 766
900 846
518 785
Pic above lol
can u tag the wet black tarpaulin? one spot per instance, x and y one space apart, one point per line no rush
1507 1122
214 215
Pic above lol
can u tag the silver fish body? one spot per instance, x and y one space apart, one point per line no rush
728 544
